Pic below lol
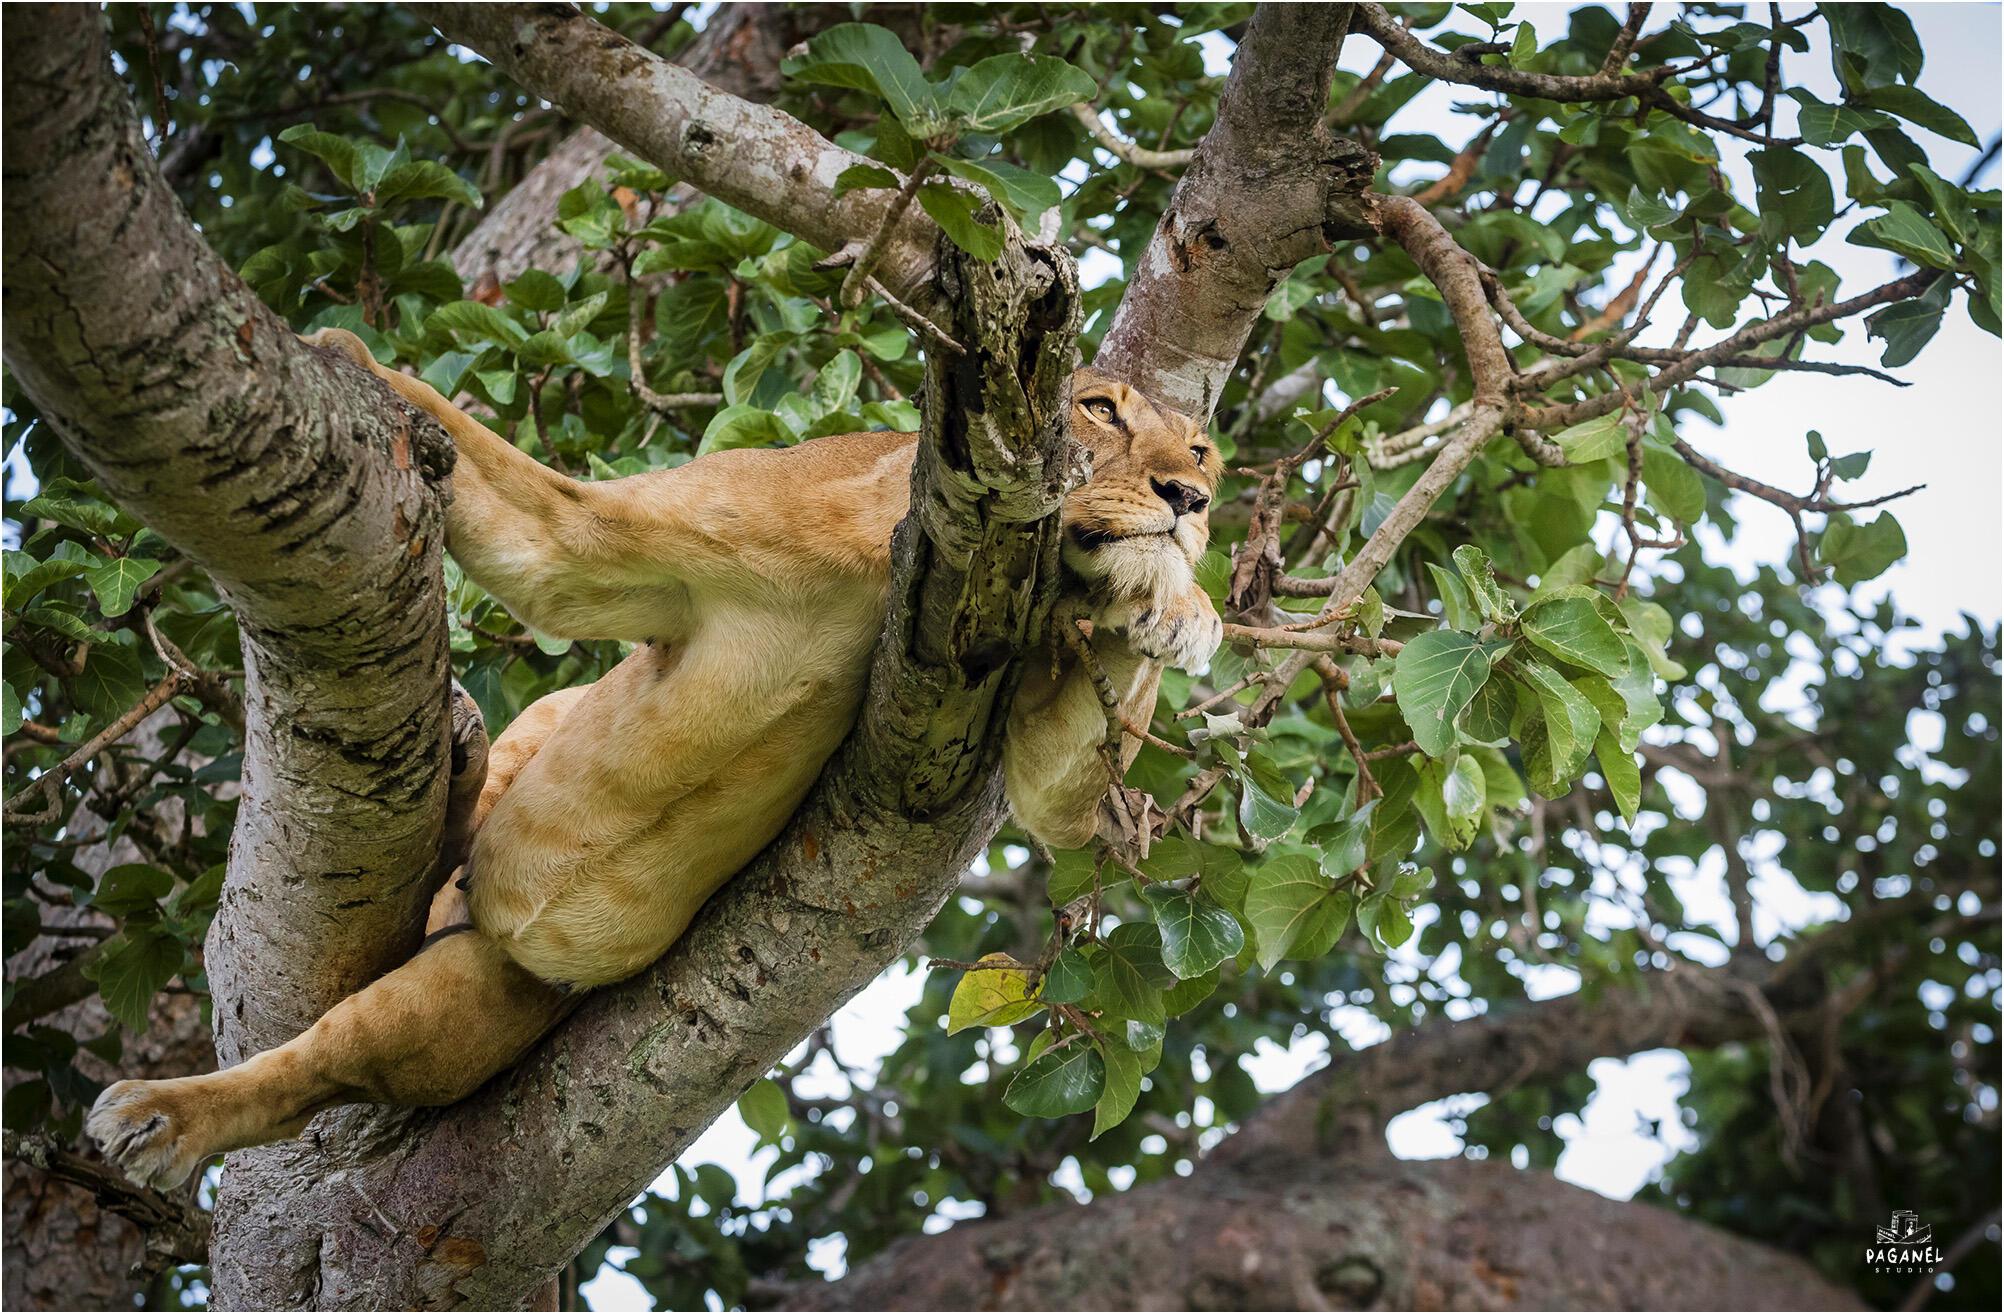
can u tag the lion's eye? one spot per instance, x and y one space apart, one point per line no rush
1199 453
1100 407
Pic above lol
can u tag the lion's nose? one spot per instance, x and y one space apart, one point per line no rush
1182 498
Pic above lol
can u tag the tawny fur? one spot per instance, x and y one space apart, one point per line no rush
753 583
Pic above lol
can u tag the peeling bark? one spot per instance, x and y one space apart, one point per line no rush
1270 187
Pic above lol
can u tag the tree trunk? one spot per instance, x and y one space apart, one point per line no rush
1307 1234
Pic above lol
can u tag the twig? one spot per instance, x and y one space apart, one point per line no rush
49 783
1129 152
859 275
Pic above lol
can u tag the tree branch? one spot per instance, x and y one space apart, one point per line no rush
1268 188
764 162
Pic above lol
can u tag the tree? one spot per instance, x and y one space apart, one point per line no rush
1488 703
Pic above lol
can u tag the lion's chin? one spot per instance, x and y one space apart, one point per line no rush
1138 566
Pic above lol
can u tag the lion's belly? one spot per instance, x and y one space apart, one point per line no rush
669 776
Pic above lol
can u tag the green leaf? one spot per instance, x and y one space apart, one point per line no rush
1595 439
111 682
1024 194
416 180
1913 105
25 585
865 57
1068 979
1435 676
131 967
1674 487
954 210
1622 773
1450 799
741 376
864 177
1197 934
130 888
1457 607
10 710
1344 846
1071 875
1570 723
1058 1082
1858 552
1283 901
117 582
835 385
1266 799
991 997
743 425
763 1107
1475 568
342 157
470 320
1571 629
1905 230
1128 973
1004 92
1124 1069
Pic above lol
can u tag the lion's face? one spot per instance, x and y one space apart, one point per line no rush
1141 519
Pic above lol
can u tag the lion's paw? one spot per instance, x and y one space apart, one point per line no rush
1184 633
147 1131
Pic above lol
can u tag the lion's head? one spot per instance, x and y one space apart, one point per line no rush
1142 515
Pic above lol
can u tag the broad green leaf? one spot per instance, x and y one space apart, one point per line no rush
418 180
1124 1069
1858 552
1623 775
1067 980
1128 973
1651 627
1435 676
1071 875
1450 799
1595 439
1570 723
1282 902
743 425
865 57
1486 720
1480 575
117 582
131 967
763 1107
991 997
1571 629
1344 846
1058 1082
1905 230
741 376
130 888
954 211
1914 105
472 321
1266 799
1457 607
1675 488
1197 934
1024 194
863 177
1003 92
111 681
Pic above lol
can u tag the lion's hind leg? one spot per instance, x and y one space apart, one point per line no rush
429 1033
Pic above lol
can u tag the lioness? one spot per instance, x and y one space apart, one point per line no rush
753 583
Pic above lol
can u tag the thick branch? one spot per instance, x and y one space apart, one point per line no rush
1269 187
310 496
610 1099
764 162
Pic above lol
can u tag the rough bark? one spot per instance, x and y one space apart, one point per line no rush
312 500
1374 1235
759 159
1270 187
1303 1208
629 1081
738 51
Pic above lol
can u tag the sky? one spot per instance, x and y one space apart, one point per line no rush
1946 430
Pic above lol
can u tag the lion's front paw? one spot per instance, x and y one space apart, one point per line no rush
146 1128
1184 632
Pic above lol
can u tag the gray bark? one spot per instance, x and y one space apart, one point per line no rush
1270 187
759 159
738 51
1377 1234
